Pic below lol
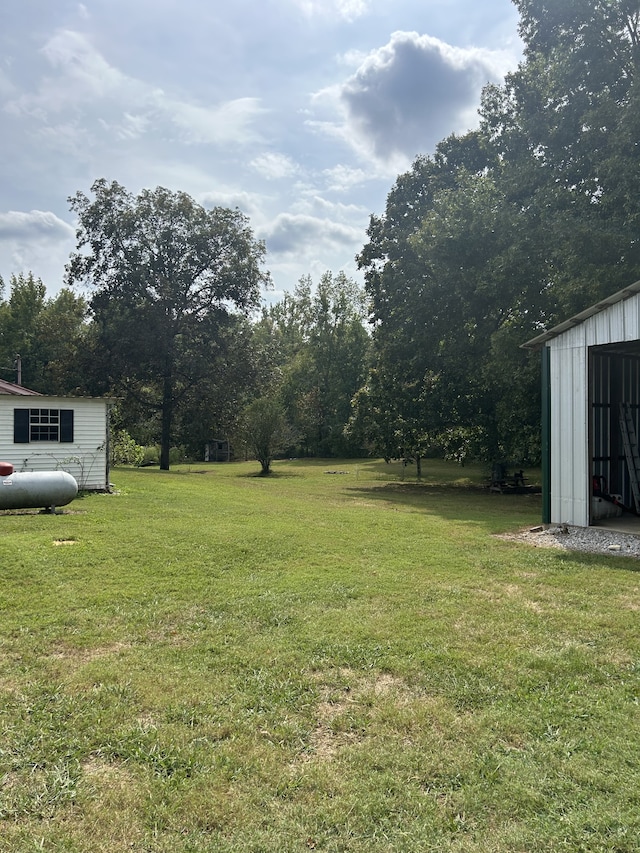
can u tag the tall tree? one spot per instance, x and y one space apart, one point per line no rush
518 225
62 332
18 323
166 274
434 302
320 345
566 126
44 335
238 375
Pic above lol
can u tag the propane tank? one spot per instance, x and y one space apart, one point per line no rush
33 489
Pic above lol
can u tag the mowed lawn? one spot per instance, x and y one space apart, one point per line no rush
207 660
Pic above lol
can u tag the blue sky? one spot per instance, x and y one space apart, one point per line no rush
299 112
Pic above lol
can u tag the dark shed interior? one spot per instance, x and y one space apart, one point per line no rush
614 379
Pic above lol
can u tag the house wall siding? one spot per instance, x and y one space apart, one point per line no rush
85 458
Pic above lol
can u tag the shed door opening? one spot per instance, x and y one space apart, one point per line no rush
614 379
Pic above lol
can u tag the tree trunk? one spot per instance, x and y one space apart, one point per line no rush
265 465
167 414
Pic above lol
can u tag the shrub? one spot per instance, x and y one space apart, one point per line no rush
151 455
124 450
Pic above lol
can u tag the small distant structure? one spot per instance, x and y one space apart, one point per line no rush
51 433
218 450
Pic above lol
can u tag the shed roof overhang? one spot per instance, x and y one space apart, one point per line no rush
541 339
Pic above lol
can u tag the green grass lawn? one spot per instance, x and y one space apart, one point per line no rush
351 661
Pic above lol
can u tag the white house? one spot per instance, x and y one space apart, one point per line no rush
41 433
591 409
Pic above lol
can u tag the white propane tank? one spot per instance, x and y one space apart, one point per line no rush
33 489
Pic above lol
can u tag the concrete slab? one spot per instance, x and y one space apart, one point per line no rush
624 524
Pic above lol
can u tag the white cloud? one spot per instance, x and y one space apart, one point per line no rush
84 84
349 10
408 95
293 233
37 241
319 206
35 225
229 122
275 167
353 58
81 75
250 204
342 178
131 126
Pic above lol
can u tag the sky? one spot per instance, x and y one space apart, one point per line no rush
301 113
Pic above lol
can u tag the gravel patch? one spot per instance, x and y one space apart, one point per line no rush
593 540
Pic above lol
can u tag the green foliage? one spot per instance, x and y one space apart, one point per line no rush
151 455
177 454
239 371
508 229
421 270
167 277
565 125
124 450
265 431
318 345
47 335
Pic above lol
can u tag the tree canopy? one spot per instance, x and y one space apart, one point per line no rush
318 346
168 279
44 336
515 226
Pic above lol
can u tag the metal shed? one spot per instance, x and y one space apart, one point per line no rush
591 411
218 450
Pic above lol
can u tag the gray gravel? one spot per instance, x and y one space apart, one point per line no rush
593 540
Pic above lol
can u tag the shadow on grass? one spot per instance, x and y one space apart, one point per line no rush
272 475
619 561
35 512
472 503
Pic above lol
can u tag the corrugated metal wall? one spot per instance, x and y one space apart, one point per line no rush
586 386
569 436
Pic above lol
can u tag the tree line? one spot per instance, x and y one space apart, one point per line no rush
502 231
187 365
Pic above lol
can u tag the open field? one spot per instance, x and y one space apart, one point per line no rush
212 661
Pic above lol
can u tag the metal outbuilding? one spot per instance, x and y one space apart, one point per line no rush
591 411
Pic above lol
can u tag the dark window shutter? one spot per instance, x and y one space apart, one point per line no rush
21 426
66 425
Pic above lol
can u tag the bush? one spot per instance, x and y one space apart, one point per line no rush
177 455
124 450
151 455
